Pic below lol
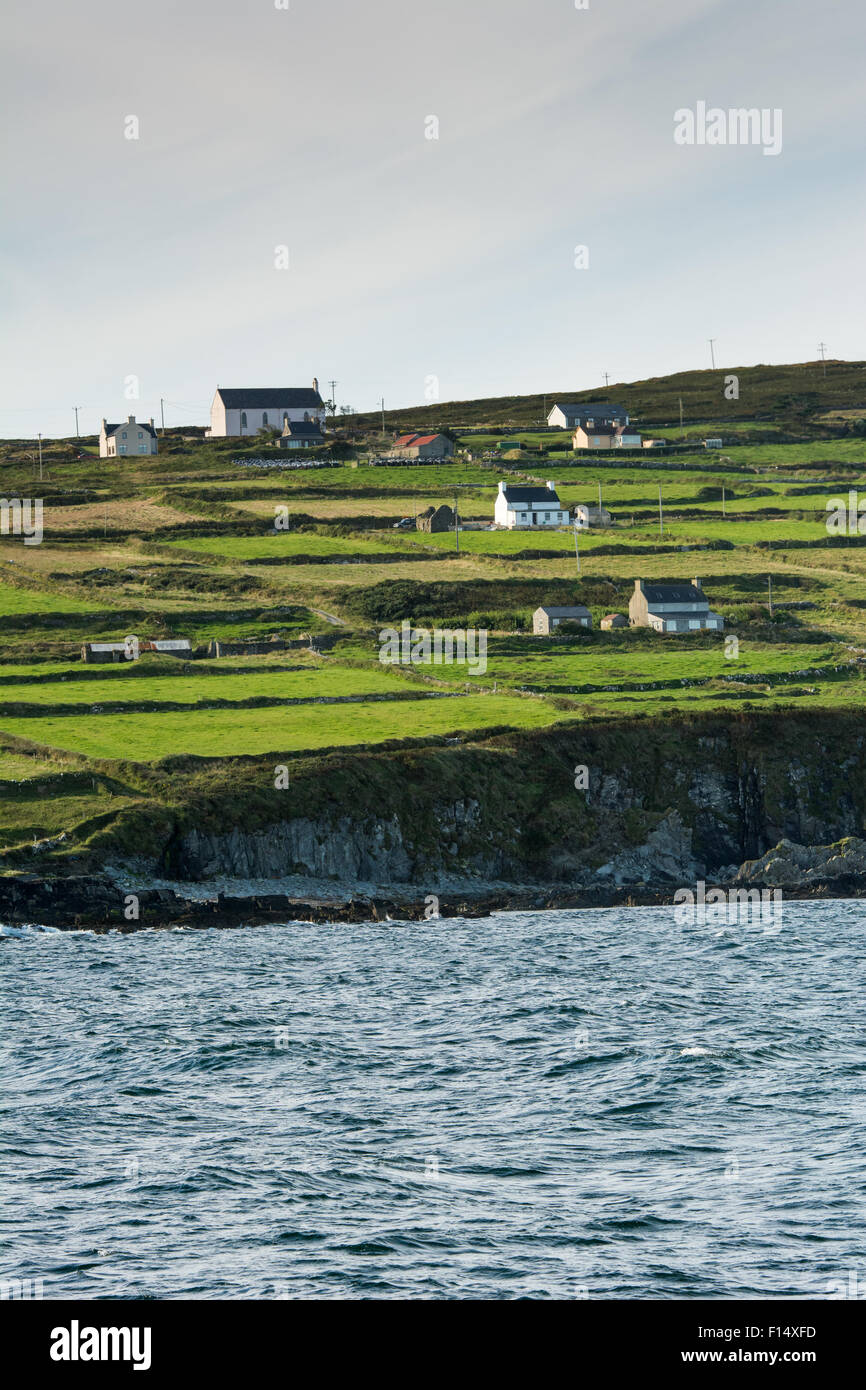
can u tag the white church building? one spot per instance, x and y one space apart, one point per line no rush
529 506
239 411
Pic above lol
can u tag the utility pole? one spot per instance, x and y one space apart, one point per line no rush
382 404
822 348
599 498
681 411
606 376
456 526
724 513
333 386
162 413
711 342
576 550
770 592
76 408
661 513
40 458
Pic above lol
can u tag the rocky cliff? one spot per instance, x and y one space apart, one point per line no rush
651 801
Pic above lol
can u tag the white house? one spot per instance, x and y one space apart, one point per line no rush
238 411
529 506
133 437
678 607
566 415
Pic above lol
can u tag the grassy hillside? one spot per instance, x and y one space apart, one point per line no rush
98 759
791 397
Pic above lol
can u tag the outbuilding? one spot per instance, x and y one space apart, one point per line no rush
545 621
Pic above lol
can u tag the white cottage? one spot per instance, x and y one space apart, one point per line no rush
239 411
528 506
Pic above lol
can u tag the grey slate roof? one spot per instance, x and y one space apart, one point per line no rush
303 429
531 494
673 593
595 410
125 425
577 610
264 397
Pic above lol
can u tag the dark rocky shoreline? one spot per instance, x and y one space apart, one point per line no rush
90 902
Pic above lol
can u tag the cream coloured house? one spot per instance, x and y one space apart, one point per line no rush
677 607
133 437
605 434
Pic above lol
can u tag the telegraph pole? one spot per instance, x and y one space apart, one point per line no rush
162 413
599 499
822 348
40 458
456 526
576 550
770 593
661 513
606 376
724 513
712 342
76 408
333 386
681 411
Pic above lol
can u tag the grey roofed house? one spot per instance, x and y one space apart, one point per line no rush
675 607
546 620
266 397
301 432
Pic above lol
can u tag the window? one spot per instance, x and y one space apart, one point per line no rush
123 448
142 448
243 419
264 417
140 435
694 622
123 436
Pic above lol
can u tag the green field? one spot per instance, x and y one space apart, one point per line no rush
224 734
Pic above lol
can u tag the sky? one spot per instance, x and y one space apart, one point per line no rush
427 168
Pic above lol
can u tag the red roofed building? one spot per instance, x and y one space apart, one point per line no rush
423 446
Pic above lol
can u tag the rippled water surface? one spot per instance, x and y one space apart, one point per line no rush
544 1105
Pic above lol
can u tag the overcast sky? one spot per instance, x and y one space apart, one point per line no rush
415 264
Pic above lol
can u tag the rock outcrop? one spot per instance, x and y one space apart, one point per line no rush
798 866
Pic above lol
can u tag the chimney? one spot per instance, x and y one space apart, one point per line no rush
501 485
638 584
551 487
316 385
151 423
130 419
697 583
